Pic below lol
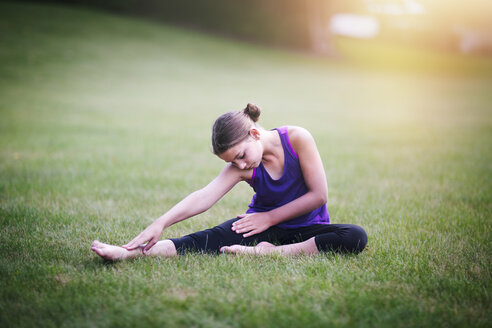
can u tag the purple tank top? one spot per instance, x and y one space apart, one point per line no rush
271 193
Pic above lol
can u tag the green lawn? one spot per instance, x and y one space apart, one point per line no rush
105 123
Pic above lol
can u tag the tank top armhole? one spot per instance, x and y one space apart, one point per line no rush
284 130
252 180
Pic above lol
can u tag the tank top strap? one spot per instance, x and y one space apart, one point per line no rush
284 136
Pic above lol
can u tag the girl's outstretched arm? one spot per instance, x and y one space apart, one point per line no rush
195 203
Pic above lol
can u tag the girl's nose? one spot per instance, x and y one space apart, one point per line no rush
242 166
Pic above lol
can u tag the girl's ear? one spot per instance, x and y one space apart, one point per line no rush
254 133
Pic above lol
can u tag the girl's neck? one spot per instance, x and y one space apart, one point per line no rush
272 144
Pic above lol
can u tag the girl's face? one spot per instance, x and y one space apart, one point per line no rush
247 154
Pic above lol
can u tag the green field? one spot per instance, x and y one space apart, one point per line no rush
105 123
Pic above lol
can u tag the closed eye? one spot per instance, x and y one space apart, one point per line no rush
244 155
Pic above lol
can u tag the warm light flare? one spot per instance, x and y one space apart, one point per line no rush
429 34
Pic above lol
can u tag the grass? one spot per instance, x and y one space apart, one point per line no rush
105 124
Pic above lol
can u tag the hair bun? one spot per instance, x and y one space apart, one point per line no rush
252 111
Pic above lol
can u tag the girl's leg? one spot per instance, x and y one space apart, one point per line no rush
212 240
208 241
164 248
343 238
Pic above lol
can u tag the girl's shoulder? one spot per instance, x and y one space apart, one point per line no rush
297 133
299 137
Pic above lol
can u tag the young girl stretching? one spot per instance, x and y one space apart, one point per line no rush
287 215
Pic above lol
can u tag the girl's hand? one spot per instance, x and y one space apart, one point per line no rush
151 235
252 223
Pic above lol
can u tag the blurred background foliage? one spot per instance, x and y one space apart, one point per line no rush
321 26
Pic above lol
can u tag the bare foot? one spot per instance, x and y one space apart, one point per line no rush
260 249
306 247
113 253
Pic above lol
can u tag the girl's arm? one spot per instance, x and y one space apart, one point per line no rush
195 203
315 178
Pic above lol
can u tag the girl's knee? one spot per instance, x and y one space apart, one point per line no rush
348 238
357 238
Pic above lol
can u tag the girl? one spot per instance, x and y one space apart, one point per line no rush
287 215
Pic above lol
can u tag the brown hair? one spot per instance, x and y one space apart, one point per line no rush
232 128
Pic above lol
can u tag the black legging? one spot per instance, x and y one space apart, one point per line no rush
344 238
